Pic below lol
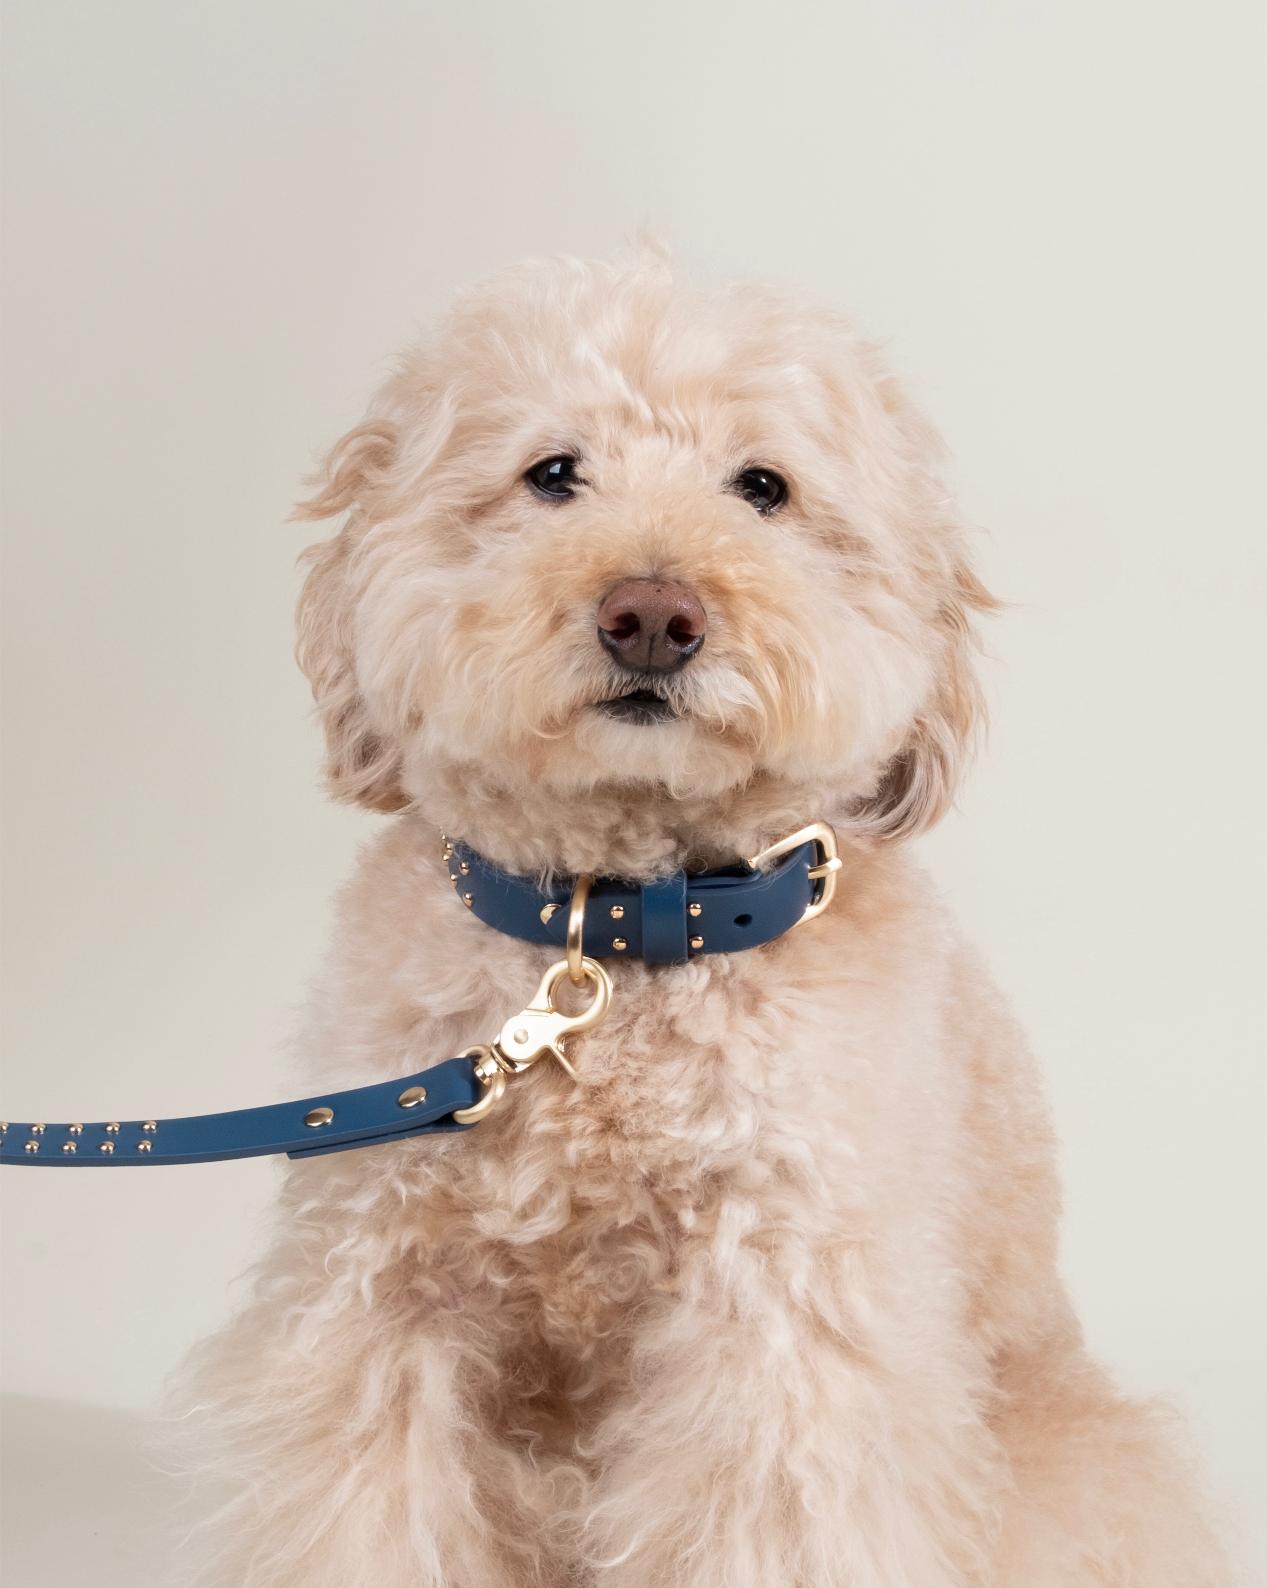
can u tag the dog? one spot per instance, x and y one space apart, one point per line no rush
635 578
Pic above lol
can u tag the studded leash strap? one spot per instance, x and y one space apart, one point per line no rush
451 1096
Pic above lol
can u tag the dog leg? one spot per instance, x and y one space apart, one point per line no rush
1099 1494
1102 1496
352 1432
758 1447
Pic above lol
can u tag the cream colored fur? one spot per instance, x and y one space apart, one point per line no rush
771 1299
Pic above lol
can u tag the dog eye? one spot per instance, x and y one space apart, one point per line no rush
554 477
765 489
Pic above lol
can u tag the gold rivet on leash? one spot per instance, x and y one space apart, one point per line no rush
76 1130
69 1146
143 1146
617 912
112 1129
150 1124
697 942
620 944
548 913
412 1096
107 1146
695 909
32 1146
316 1117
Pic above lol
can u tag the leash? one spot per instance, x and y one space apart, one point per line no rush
451 1096
669 921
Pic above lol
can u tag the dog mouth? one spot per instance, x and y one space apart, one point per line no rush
641 707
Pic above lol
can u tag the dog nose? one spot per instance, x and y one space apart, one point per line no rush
651 625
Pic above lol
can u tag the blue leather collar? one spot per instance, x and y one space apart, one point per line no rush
665 922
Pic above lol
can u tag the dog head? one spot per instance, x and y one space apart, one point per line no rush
604 531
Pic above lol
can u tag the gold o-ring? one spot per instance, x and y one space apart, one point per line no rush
576 929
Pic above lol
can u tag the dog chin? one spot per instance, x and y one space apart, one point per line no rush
633 733
633 745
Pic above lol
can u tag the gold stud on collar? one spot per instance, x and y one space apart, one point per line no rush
37 1130
316 1117
548 912
468 899
107 1146
144 1146
697 942
150 1125
620 944
32 1146
617 912
412 1096
695 909
75 1130
69 1146
112 1129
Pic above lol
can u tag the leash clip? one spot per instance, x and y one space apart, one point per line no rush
535 1033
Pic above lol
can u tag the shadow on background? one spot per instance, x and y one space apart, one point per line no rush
80 1499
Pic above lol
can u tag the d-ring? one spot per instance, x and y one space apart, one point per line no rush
576 929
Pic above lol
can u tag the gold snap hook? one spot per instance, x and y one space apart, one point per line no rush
576 929
535 1032
542 1027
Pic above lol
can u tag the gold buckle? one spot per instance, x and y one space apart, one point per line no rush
824 837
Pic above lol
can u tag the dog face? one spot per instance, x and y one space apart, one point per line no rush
604 529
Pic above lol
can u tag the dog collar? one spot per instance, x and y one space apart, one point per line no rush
667 921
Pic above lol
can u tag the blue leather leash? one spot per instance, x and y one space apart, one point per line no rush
664 922
417 1105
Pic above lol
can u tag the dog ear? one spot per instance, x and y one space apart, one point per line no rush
353 470
362 766
918 785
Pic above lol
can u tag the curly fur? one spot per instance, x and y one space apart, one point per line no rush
771 1299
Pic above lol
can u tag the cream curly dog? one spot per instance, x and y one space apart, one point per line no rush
634 577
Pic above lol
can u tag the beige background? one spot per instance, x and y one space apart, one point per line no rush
220 221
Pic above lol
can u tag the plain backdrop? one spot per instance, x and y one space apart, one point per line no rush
220 221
